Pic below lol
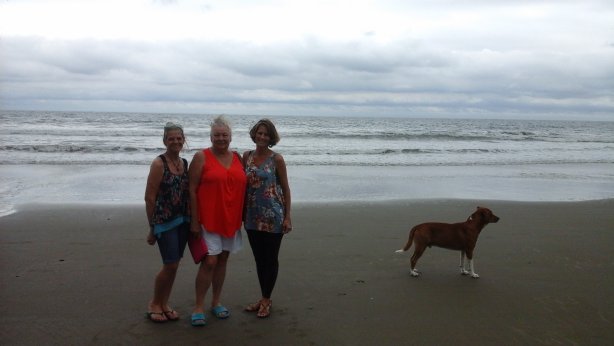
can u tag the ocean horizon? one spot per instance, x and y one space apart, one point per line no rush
94 157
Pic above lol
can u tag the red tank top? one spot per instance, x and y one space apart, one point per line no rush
220 195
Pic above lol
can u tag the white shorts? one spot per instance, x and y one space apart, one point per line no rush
216 243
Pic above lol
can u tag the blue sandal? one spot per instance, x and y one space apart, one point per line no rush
220 312
198 319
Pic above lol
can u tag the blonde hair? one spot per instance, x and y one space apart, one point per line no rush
221 121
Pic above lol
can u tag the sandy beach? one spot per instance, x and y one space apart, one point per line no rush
83 275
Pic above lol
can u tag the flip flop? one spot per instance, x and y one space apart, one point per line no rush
151 313
198 319
169 315
220 312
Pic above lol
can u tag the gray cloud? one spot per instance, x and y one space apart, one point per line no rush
494 74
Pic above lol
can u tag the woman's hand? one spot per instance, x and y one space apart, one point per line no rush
151 238
195 230
287 225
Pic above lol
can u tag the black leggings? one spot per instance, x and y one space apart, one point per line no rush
265 246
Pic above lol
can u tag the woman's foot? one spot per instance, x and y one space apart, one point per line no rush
171 314
221 312
155 313
253 307
198 319
157 317
265 309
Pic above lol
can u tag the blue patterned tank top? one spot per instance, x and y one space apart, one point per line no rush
264 198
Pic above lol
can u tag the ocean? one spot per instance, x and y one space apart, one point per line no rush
91 157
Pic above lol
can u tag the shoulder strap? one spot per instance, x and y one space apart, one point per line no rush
185 165
245 160
277 179
164 161
250 156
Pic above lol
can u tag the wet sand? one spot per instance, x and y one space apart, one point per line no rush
84 274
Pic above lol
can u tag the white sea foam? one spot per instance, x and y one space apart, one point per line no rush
118 138
55 157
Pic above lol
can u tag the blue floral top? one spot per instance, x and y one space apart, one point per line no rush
264 202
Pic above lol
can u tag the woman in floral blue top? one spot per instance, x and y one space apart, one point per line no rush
168 213
267 209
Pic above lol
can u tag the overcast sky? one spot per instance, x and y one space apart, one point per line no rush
436 58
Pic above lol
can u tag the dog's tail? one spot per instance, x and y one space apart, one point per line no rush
409 241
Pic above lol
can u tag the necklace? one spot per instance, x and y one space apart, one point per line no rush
177 164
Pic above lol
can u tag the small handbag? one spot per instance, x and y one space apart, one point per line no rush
198 248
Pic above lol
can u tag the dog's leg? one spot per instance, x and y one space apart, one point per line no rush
469 254
463 271
418 250
473 273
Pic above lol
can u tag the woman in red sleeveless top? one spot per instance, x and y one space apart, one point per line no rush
217 191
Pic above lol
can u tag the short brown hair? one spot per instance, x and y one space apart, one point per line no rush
273 135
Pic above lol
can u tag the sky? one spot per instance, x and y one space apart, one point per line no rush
438 58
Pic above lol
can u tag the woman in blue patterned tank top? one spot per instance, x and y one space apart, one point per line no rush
168 213
267 209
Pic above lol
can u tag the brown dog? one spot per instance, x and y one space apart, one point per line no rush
454 236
